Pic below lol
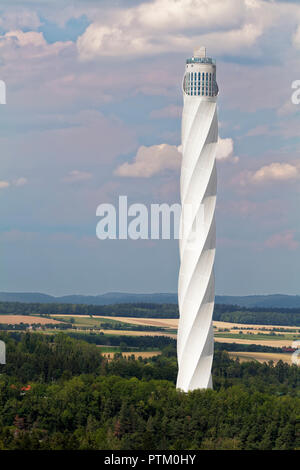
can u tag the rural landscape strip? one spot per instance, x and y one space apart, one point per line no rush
115 329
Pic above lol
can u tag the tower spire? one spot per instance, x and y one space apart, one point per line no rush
200 51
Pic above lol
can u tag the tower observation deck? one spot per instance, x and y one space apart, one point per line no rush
200 75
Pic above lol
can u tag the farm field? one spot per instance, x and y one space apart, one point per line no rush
261 357
223 324
254 334
86 321
235 331
275 343
258 336
136 354
31 320
170 326
160 322
219 339
173 323
140 333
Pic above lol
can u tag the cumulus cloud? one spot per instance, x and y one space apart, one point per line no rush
160 26
24 39
29 44
225 150
155 159
275 172
150 161
76 176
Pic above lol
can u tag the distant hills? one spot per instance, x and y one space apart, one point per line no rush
102 299
263 301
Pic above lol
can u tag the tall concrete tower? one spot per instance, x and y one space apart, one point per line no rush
198 187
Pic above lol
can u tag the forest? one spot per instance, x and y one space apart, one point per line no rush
58 392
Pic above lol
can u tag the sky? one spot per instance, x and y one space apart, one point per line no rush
93 111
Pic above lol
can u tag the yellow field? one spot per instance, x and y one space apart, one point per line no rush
17 319
136 354
223 324
173 323
162 322
263 342
261 357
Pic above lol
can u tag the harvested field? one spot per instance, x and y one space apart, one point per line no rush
261 357
223 324
256 332
276 343
162 322
17 319
173 322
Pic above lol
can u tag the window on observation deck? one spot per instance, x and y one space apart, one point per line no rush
200 84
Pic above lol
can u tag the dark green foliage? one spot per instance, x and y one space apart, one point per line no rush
140 342
79 400
258 316
246 348
132 310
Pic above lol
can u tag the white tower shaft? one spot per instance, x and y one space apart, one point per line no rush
198 233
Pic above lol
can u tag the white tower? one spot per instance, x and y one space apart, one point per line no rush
198 187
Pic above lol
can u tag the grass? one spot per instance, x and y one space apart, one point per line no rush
109 349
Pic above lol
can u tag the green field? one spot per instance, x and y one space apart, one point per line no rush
109 349
258 336
88 322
